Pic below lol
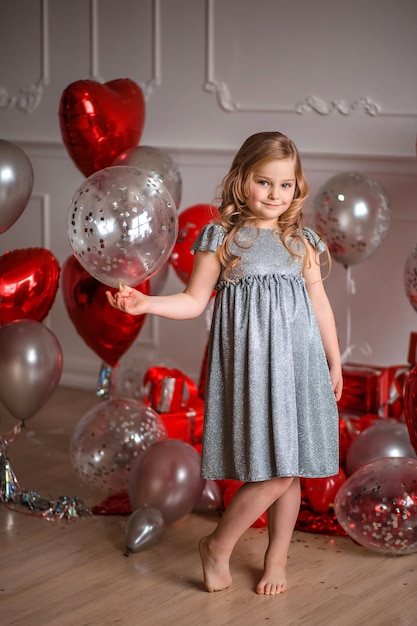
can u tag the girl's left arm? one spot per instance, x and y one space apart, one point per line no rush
325 320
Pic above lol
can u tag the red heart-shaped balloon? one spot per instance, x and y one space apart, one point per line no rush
107 331
100 121
321 492
28 284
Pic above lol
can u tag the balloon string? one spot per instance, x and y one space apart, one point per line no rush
350 290
365 349
10 437
106 382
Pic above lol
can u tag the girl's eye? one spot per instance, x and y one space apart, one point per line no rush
264 183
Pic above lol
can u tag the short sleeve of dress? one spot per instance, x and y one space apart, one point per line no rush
314 239
210 238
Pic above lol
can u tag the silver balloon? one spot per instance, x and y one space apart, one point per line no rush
30 367
122 225
144 529
166 476
410 277
158 163
377 506
16 183
109 437
352 212
385 438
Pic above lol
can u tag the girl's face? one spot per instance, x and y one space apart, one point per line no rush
272 189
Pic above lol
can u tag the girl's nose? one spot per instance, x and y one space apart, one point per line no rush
274 193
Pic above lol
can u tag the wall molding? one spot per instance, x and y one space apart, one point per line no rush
79 374
183 155
310 104
147 86
29 96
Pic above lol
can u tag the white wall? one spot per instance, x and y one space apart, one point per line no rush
338 77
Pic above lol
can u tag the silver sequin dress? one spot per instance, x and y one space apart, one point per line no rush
270 409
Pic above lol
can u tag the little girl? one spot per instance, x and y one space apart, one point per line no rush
274 368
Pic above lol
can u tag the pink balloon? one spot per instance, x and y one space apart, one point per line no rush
166 477
30 367
211 499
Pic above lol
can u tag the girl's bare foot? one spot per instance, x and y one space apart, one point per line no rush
273 581
215 569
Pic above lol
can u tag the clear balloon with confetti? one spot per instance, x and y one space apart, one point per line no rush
377 506
352 212
122 225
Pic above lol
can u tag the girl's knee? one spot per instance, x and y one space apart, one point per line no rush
280 485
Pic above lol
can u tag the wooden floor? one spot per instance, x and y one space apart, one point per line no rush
75 573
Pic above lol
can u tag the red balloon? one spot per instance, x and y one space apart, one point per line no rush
28 284
321 492
190 223
99 121
107 331
410 406
234 486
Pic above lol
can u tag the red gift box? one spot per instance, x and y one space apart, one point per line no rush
394 404
175 397
365 388
186 425
168 390
373 389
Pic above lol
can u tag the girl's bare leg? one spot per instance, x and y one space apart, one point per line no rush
282 516
249 503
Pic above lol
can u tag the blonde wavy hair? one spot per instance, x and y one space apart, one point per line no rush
257 150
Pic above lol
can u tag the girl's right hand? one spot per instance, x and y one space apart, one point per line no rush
337 381
129 300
